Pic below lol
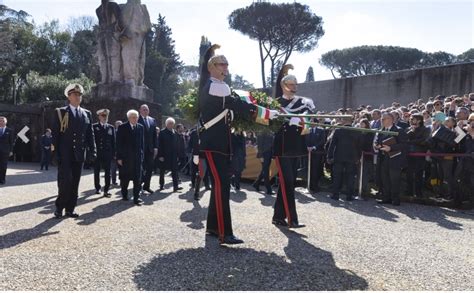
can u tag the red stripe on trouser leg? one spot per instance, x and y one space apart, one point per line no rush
283 190
201 168
217 195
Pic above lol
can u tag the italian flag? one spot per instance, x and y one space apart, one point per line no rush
246 97
263 114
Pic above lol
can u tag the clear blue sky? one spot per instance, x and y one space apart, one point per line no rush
427 25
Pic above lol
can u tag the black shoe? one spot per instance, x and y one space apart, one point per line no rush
107 194
280 223
384 201
196 196
349 198
148 190
58 214
208 188
177 189
137 202
270 192
231 240
71 215
296 225
256 186
97 191
161 188
335 196
124 198
212 233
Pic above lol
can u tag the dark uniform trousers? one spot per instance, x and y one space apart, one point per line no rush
69 175
285 201
148 166
219 165
3 165
105 143
105 164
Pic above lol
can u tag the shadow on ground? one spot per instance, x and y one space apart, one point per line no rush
305 267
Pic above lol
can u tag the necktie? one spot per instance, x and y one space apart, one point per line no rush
146 122
77 113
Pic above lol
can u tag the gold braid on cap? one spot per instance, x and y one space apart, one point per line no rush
283 72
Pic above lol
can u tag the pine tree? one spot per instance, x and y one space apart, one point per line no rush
162 66
310 74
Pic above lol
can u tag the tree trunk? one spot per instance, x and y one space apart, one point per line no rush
262 63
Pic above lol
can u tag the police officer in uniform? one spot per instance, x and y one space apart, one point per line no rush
217 105
72 137
6 147
289 145
104 134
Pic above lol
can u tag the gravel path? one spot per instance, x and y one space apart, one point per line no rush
161 245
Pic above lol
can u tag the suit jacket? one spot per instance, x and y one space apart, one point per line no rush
168 149
399 161
104 140
6 141
264 143
316 138
375 124
77 138
130 149
345 146
193 145
150 137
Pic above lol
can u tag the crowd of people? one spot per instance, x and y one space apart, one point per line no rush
431 144
432 149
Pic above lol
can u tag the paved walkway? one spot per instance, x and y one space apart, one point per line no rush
161 245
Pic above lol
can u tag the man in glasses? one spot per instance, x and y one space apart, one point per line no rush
72 137
104 134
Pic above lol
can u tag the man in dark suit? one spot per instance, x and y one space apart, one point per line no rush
46 143
104 134
315 142
392 158
6 147
72 137
130 154
150 147
344 152
168 154
264 153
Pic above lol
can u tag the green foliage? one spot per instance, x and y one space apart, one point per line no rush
467 56
162 66
280 30
189 106
363 60
51 86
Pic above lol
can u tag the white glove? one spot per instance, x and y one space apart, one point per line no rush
295 121
273 114
196 160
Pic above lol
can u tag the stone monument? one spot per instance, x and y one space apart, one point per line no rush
121 51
